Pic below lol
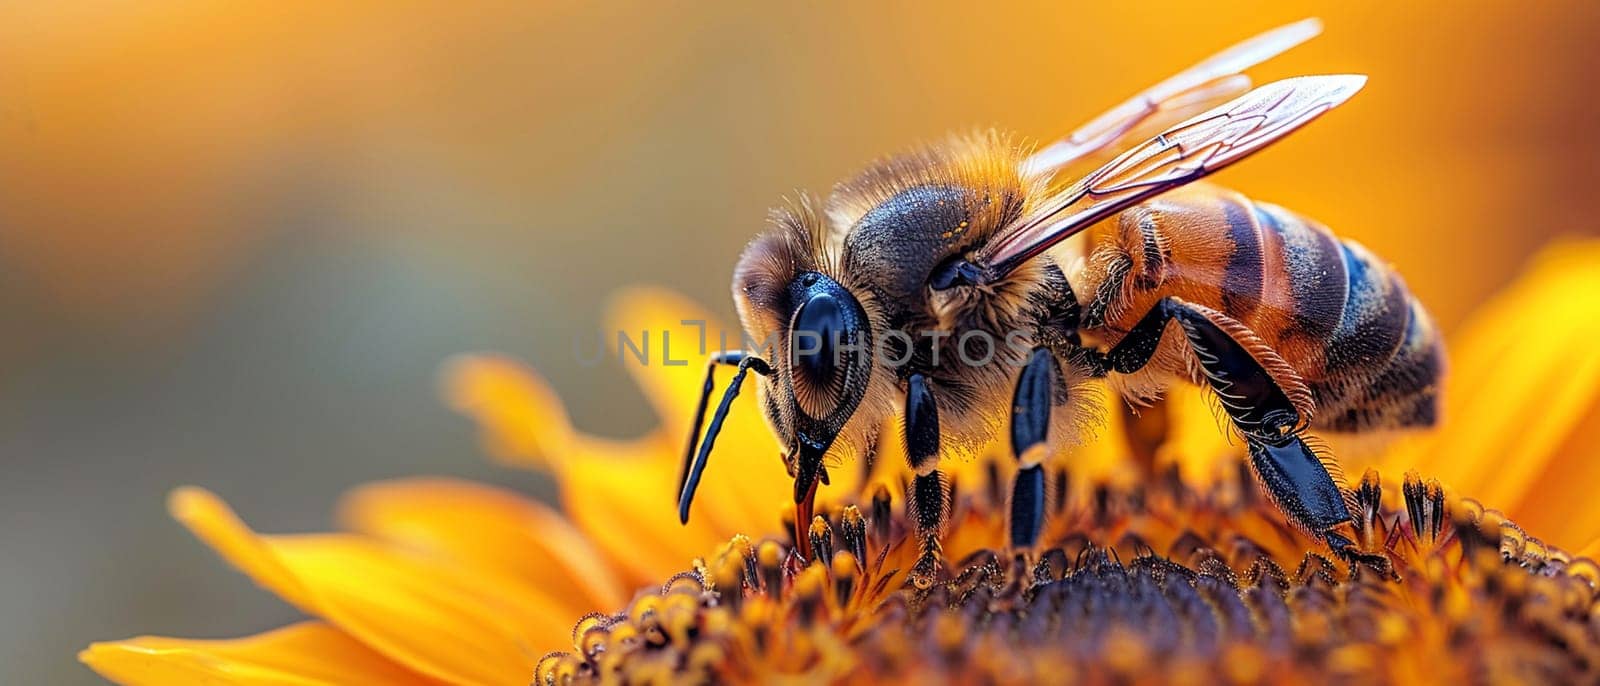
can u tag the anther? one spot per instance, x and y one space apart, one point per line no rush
882 514
770 558
729 581
1369 502
853 531
808 592
821 538
1477 529
845 573
643 609
747 557
1426 507
679 616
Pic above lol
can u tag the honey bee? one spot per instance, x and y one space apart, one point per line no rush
871 304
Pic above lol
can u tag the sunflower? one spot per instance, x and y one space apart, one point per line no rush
1161 561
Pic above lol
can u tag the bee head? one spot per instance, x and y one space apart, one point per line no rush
825 368
816 335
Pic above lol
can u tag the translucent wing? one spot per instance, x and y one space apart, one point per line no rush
1205 84
1179 155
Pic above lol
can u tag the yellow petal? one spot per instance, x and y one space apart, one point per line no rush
615 491
443 621
609 499
1559 506
305 653
521 420
489 527
1199 438
1524 374
1590 550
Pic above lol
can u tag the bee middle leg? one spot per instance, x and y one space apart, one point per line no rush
925 499
1258 404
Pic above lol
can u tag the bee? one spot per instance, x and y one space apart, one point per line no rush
939 287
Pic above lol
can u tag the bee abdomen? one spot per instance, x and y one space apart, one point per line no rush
1340 317
1314 262
1402 393
1381 356
1376 314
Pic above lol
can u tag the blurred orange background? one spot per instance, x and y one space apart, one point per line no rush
236 239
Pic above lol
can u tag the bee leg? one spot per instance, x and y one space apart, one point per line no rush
1031 407
1290 471
694 461
1294 477
925 499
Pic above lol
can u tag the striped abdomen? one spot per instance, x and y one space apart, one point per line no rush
1339 316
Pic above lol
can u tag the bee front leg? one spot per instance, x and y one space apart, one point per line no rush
1255 398
698 452
1031 407
925 499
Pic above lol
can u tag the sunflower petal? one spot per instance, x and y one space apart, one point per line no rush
611 500
521 419
1591 549
617 492
1558 507
448 622
305 653
1526 373
1199 437
488 527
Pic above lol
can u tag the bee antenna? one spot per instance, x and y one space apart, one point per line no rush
693 470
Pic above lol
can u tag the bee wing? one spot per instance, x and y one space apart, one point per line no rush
1203 85
1179 155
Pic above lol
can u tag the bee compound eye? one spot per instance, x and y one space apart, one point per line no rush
818 328
828 357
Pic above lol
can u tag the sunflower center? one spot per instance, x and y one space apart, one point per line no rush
1161 581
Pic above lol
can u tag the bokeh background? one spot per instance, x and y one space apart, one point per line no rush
237 239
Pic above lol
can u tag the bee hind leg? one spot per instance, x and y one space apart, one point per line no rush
925 499
1250 382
